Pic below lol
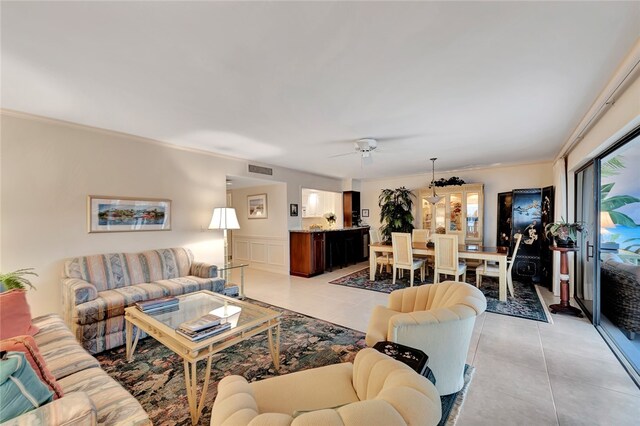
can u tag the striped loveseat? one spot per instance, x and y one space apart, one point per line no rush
97 289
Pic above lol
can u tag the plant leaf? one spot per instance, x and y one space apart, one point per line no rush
617 201
622 219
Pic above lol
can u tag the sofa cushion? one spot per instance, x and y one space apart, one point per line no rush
59 348
27 345
117 270
112 303
15 315
114 404
21 390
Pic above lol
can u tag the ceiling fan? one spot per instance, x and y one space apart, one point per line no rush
365 148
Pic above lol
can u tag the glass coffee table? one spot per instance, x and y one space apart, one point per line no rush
246 320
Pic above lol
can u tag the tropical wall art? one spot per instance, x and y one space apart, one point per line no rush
126 214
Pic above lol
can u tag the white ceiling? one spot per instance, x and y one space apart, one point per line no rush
290 84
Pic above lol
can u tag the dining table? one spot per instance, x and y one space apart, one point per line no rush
465 251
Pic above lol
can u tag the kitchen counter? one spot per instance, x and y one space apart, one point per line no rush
330 230
312 251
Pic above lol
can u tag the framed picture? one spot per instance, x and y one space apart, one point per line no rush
365 212
257 206
293 210
126 214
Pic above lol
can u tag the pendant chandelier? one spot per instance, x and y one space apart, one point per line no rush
434 198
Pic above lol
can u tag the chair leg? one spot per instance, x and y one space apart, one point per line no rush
510 284
436 276
411 274
422 273
478 279
394 274
464 276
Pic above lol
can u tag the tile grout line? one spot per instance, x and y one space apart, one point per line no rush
546 367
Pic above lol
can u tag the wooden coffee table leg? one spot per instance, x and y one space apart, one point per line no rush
128 338
274 347
191 386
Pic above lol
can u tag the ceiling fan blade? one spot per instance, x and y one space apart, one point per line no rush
342 155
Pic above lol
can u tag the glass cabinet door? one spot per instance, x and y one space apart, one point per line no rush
441 216
473 206
427 215
455 212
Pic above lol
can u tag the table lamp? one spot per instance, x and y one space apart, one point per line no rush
224 218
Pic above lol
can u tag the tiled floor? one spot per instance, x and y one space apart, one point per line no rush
527 372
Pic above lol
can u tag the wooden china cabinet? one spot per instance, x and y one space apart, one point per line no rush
460 211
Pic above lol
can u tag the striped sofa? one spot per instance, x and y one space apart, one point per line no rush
97 289
90 396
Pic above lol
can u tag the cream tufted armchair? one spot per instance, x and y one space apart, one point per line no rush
374 390
435 318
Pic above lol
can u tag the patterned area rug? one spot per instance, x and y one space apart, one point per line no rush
156 375
525 304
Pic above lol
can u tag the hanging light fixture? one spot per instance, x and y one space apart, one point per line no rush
435 198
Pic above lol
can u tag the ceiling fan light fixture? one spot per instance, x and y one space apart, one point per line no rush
434 198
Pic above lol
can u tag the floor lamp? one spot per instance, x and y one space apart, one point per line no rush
224 218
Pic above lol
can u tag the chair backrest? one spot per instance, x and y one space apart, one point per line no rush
511 261
420 235
374 236
402 250
446 256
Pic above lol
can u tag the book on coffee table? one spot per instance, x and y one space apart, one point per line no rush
203 334
205 321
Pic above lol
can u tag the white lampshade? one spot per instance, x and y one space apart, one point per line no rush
224 218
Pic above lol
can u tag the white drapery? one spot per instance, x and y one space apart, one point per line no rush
560 211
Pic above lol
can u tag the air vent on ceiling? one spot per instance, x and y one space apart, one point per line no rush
261 170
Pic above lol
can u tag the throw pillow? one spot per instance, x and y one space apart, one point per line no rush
20 389
15 315
27 345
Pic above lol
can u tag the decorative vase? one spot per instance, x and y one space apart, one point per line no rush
564 242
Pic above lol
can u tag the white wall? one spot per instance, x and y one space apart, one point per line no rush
48 168
495 180
264 243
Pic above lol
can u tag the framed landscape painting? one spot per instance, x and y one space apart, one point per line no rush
257 206
126 214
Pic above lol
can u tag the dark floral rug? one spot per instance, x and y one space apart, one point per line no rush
156 375
525 304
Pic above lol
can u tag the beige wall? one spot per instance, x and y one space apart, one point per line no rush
495 180
48 168
263 243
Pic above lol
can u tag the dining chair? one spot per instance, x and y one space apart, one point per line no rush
446 256
422 236
381 259
491 270
403 256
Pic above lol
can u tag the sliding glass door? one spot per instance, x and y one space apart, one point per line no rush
608 284
585 290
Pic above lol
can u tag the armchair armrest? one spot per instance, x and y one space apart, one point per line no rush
74 408
204 270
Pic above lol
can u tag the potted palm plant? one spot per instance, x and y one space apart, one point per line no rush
565 234
17 279
395 211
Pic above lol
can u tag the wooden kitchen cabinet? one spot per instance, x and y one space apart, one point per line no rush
306 253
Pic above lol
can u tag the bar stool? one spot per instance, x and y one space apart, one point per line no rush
334 252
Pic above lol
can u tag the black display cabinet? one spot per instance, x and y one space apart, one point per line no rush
527 211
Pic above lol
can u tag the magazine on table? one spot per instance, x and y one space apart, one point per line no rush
202 334
205 321
157 303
